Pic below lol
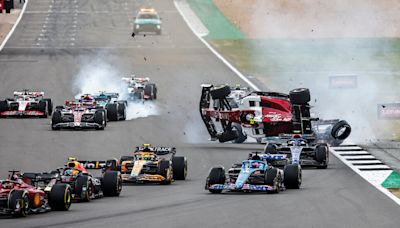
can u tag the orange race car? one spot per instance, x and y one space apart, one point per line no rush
153 164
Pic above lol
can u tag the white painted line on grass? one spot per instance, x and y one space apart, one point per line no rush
14 26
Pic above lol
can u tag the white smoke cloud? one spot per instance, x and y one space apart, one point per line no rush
97 75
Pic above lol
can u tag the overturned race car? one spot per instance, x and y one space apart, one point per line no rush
264 114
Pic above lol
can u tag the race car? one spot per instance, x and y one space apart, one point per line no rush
255 174
298 150
84 185
77 115
147 20
21 195
264 114
153 164
140 89
26 103
115 109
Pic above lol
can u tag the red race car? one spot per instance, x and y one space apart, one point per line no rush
22 194
261 115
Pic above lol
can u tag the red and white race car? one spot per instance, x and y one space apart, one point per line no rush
264 114
79 115
26 103
140 88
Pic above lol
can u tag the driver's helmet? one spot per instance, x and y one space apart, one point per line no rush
71 172
254 165
297 140
256 157
146 147
27 98
149 157
237 87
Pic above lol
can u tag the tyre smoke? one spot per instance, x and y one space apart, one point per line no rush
97 76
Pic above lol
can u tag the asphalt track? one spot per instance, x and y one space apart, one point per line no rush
179 63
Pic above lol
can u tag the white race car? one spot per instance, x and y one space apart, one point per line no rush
26 103
140 88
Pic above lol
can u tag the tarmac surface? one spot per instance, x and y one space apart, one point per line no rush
56 40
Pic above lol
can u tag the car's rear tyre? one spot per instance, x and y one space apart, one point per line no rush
270 148
100 119
49 105
216 176
125 158
292 176
56 119
220 92
3 106
241 137
42 107
151 91
322 155
18 201
60 197
80 183
111 183
179 167
112 112
300 96
122 110
272 178
163 171
341 130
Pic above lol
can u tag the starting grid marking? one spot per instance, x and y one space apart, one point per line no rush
366 165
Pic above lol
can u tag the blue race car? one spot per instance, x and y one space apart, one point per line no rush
255 174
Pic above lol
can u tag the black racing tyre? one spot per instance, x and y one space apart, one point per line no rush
125 158
112 112
99 118
270 148
42 107
60 197
216 176
220 92
55 119
163 168
111 183
322 155
3 106
122 111
292 176
19 199
179 167
49 105
272 179
341 130
151 91
80 183
241 137
299 96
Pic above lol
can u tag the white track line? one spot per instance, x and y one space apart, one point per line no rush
14 26
236 71
373 177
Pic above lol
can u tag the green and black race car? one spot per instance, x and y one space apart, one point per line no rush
147 20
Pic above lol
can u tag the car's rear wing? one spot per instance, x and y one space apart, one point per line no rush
99 164
135 79
30 93
273 156
159 150
110 95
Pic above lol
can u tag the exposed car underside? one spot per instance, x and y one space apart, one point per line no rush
264 114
